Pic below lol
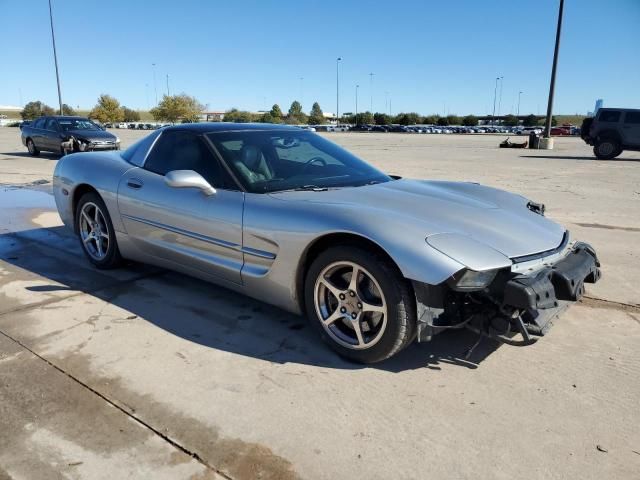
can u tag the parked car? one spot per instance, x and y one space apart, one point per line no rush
121 125
66 134
612 131
379 128
287 217
560 131
528 130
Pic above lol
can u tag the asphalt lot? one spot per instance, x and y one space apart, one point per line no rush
141 372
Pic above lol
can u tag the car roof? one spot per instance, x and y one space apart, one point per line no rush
207 127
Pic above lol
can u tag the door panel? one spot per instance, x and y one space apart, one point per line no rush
183 225
631 128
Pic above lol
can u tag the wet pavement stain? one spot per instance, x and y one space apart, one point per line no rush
231 456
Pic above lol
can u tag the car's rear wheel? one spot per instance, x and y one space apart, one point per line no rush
96 233
32 148
607 148
360 303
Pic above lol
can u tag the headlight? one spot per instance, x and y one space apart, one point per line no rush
117 139
472 280
82 145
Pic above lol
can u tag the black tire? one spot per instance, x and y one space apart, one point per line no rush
33 150
112 258
607 148
401 320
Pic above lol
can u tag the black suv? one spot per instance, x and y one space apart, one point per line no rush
611 131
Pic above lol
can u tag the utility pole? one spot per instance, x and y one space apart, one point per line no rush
55 56
155 86
338 60
357 86
547 128
371 75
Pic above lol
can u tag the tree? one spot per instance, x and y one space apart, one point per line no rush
35 109
363 118
443 121
511 121
430 120
107 110
130 115
178 107
530 121
276 113
381 119
68 109
453 119
470 121
296 115
407 118
317 116
238 116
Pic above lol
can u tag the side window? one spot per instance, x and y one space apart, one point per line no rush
39 123
176 150
50 125
609 116
632 117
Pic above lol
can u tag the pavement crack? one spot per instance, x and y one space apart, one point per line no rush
595 302
116 405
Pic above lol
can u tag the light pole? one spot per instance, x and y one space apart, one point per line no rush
500 98
168 85
371 91
55 56
519 95
547 128
338 60
357 87
155 86
495 94
301 94
146 91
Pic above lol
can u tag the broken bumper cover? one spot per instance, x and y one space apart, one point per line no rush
563 280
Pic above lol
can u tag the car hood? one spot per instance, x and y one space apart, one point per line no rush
495 218
92 134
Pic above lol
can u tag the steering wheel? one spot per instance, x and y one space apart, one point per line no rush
313 160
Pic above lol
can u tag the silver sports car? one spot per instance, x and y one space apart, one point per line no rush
285 216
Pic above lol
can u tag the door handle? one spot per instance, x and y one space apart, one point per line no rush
134 183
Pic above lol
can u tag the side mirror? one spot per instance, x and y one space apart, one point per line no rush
188 179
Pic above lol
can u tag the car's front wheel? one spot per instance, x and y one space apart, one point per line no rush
33 150
607 149
96 233
360 303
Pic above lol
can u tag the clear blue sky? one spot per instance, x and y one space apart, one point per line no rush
431 56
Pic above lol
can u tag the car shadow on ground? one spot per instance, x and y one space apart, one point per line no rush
46 155
581 158
209 315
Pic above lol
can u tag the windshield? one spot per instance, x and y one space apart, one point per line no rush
69 124
270 161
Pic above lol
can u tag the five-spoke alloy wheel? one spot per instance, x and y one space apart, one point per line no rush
360 303
96 232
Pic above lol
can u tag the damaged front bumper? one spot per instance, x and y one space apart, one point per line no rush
524 299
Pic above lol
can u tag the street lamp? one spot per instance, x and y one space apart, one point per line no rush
155 86
168 85
338 60
357 87
371 90
55 56
519 95
500 98
495 94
